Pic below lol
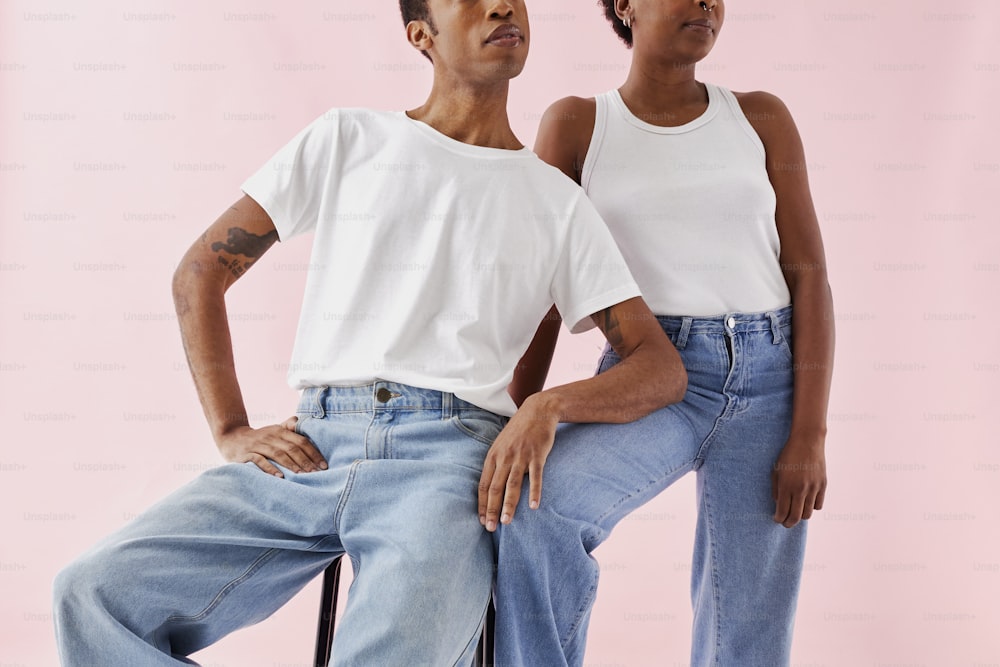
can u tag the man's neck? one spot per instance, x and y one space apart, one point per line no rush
472 115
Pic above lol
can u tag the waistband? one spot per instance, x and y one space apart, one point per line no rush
730 323
380 395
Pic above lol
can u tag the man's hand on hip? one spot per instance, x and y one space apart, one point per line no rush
278 442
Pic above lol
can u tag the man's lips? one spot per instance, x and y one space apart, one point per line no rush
506 35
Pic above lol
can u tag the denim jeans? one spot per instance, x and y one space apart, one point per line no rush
227 550
729 429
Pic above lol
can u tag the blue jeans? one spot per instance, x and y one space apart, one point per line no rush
227 550
729 429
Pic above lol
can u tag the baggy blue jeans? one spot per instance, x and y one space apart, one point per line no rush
228 549
729 429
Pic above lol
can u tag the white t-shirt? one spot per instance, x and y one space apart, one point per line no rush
433 260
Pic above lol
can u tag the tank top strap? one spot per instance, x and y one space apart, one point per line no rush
601 114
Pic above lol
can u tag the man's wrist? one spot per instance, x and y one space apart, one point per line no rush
221 431
543 406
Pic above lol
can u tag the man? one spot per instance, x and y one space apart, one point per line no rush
440 242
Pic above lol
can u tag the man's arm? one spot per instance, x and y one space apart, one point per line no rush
650 376
799 475
227 249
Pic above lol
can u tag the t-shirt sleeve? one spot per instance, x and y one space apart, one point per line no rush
291 185
591 273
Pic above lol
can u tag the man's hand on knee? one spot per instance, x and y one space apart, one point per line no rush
521 448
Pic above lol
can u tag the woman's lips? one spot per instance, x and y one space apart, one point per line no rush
700 25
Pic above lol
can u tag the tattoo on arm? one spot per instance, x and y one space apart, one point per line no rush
609 325
241 242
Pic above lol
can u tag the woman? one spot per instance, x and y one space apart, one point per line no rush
707 195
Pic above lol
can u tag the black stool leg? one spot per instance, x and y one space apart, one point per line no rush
484 654
327 613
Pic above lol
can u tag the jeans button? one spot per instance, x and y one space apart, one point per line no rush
731 322
383 395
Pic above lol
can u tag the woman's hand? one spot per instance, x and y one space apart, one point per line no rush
798 480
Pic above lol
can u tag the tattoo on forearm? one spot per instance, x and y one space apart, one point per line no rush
234 265
609 324
241 242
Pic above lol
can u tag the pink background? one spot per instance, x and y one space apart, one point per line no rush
128 127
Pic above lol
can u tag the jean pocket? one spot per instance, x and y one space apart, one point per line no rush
480 425
608 360
786 343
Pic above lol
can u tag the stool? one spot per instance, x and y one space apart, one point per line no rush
328 616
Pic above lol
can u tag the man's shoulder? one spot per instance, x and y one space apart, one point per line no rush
356 118
551 184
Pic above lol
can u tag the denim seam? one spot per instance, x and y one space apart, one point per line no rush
717 611
348 486
315 545
388 438
727 412
581 613
475 636
228 588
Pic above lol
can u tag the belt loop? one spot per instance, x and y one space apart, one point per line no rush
318 411
446 408
776 335
682 335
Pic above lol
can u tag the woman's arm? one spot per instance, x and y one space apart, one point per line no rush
799 475
533 368
562 141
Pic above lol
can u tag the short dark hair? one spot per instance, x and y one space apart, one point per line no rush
624 32
417 10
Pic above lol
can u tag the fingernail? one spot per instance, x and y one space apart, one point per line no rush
505 518
482 519
323 466
491 526
533 504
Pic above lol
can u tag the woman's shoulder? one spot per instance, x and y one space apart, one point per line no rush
767 114
564 134
760 101
575 115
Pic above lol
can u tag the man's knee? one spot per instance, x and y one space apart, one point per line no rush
94 579
76 583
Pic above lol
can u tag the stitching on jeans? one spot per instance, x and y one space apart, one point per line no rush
228 588
717 611
588 602
343 496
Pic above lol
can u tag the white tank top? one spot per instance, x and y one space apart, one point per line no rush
691 207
